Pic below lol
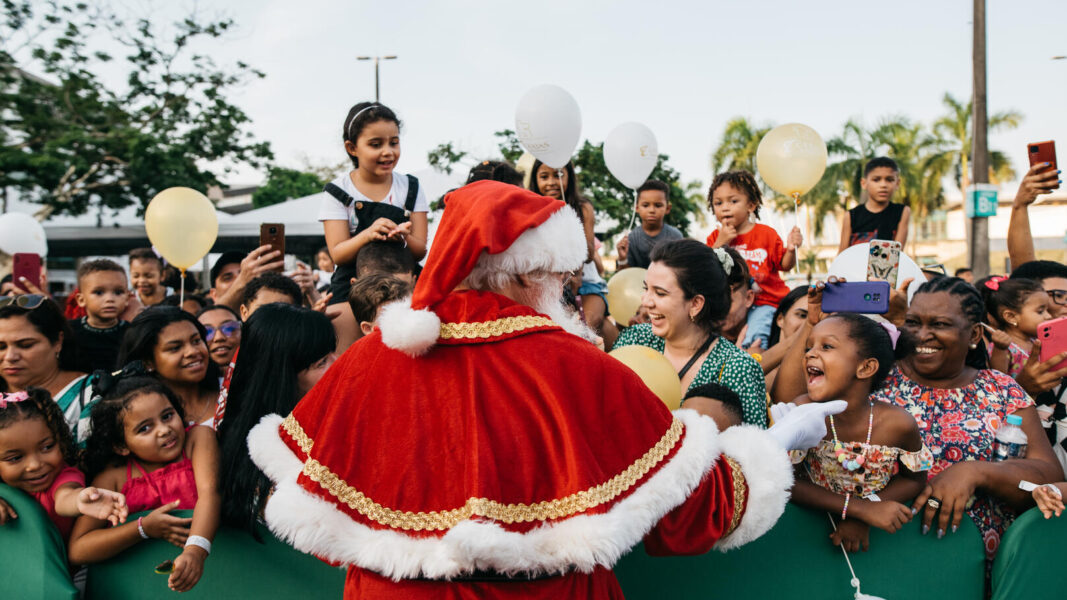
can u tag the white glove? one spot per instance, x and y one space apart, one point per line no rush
801 427
780 410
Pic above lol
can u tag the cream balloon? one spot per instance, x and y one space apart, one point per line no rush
791 159
630 153
182 225
852 265
20 232
655 370
625 289
548 123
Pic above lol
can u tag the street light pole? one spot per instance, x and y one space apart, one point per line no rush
376 59
979 142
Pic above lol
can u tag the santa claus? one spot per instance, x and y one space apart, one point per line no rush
475 447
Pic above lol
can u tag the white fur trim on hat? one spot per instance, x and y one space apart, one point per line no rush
411 331
555 246
582 542
768 475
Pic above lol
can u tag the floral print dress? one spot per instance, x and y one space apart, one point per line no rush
960 424
880 464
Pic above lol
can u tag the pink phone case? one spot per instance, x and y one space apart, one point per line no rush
1053 337
884 261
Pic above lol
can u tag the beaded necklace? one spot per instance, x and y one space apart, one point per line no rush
839 449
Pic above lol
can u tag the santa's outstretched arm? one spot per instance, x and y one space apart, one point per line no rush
745 490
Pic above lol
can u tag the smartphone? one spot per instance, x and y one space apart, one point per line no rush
1042 152
884 261
273 235
1053 336
865 297
28 265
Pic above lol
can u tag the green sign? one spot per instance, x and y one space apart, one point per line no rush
981 201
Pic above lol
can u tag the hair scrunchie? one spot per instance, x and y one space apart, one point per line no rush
725 259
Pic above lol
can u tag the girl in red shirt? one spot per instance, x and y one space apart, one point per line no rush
735 198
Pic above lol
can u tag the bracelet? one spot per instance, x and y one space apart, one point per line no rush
845 509
140 528
199 540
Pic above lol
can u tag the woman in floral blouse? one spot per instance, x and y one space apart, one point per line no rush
959 404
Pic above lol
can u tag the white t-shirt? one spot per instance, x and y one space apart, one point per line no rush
333 210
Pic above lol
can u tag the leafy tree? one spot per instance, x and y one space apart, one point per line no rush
285 184
445 157
737 149
70 142
955 129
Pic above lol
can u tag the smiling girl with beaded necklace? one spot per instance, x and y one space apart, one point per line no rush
855 471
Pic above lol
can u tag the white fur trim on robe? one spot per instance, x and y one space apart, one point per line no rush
583 542
768 475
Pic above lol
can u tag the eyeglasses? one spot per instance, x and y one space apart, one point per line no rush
27 301
1058 296
227 329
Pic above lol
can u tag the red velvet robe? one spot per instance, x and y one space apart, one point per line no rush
511 447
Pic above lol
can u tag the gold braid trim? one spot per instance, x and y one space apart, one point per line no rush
490 509
740 492
490 329
295 431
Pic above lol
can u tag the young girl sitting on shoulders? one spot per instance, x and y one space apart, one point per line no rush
856 469
1014 309
36 456
372 201
735 198
140 445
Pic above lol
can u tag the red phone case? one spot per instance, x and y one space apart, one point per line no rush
273 235
1042 152
1053 337
28 265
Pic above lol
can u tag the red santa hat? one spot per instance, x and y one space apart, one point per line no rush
489 225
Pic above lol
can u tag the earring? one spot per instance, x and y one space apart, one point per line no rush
1013 323
692 318
974 346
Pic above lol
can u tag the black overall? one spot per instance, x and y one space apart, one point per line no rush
367 212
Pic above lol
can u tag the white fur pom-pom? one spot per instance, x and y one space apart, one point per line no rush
413 332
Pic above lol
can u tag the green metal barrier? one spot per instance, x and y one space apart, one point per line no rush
1029 562
33 558
795 560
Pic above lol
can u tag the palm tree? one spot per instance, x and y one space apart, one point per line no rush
737 150
955 130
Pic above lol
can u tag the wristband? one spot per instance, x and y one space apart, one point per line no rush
199 540
140 528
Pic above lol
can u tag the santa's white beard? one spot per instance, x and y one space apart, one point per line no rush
547 298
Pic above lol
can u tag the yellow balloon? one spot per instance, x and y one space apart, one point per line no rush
655 370
624 294
791 159
182 225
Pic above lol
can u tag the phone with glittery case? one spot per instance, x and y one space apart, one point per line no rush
883 263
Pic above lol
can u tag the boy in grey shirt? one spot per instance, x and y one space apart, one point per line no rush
653 204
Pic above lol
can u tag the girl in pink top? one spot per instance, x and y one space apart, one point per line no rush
139 444
36 451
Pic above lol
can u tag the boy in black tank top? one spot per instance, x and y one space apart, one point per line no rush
877 218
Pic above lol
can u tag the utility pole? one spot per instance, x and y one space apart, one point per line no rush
979 249
376 59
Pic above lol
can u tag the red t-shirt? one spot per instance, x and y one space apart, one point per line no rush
47 498
763 250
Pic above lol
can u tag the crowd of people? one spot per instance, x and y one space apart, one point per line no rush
122 399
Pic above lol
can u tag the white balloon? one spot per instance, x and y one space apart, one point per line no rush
630 153
548 124
852 265
20 232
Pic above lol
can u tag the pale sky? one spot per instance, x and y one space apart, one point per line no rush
682 68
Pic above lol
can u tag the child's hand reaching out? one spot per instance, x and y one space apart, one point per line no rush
852 535
1049 499
158 524
188 568
102 504
887 515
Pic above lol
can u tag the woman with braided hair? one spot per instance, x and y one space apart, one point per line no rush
959 403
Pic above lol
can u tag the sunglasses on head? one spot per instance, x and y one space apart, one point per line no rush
228 328
27 301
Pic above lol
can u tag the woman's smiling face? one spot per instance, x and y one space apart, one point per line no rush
942 335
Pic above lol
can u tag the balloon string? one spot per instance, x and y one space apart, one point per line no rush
181 294
633 217
796 221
